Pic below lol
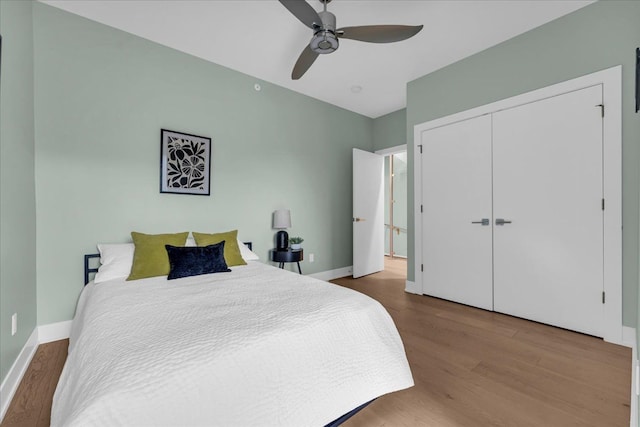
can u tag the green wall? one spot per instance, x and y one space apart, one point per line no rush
390 130
593 38
101 98
17 188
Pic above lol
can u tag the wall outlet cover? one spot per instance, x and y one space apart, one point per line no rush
14 324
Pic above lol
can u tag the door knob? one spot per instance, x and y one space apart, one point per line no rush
502 221
484 221
358 219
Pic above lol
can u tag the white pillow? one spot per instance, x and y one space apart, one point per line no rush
246 253
116 260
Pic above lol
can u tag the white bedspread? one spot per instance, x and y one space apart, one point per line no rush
256 347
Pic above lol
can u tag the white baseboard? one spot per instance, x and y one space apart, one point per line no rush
629 340
333 274
15 374
628 337
412 288
54 331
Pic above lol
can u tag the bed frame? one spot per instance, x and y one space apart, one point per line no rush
345 417
88 270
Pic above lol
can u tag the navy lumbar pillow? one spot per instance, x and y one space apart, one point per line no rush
194 261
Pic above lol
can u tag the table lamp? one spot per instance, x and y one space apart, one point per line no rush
282 220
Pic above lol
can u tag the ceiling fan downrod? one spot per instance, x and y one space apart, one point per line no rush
324 39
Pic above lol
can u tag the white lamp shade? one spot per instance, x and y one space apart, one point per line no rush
282 218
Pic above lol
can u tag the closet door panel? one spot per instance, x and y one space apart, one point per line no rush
456 191
547 177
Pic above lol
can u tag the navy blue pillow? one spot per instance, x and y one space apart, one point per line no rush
194 261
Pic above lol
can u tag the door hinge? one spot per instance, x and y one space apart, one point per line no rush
420 147
421 267
602 204
601 109
421 208
603 297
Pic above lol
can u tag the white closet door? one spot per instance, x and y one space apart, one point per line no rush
547 175
456 191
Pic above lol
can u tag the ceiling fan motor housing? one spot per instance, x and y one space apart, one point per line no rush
324 38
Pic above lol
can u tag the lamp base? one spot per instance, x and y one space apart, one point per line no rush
282 240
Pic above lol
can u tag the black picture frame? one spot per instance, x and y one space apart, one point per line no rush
185 163
637 79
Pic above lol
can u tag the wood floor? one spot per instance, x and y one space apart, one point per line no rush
477 368
31 405
471 368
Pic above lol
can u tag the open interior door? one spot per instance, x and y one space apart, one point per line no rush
368 213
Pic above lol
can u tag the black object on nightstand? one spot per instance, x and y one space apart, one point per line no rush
289 255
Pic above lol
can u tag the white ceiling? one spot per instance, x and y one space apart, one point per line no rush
261 38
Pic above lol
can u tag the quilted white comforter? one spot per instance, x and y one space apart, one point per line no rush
258 346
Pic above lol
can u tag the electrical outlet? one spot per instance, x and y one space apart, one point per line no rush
14 324
311 257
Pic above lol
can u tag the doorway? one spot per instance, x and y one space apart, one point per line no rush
395 209
379 211
395 200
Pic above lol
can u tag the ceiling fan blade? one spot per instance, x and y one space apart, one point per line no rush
303 11
379 33
306 59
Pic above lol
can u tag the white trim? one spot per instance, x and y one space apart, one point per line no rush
16 372
54 331
635 386
628 337
392 150
611 81
412 288
417 207
629 340
333 274
612 192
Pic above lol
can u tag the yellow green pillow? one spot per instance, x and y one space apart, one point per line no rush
150 257
232 254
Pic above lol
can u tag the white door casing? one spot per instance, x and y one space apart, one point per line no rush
547 180
456 189
611 81
368 213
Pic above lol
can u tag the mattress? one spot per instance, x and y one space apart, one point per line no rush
258 346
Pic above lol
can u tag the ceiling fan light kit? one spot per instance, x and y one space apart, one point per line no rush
324 39
325 35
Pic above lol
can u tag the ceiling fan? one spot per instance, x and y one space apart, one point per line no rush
325 35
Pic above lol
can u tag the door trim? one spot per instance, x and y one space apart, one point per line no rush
611 81
392 150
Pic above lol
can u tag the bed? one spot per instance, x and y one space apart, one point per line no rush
256 346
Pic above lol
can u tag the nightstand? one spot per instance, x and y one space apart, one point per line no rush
289 255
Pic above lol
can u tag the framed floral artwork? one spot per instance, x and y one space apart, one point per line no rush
185 163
